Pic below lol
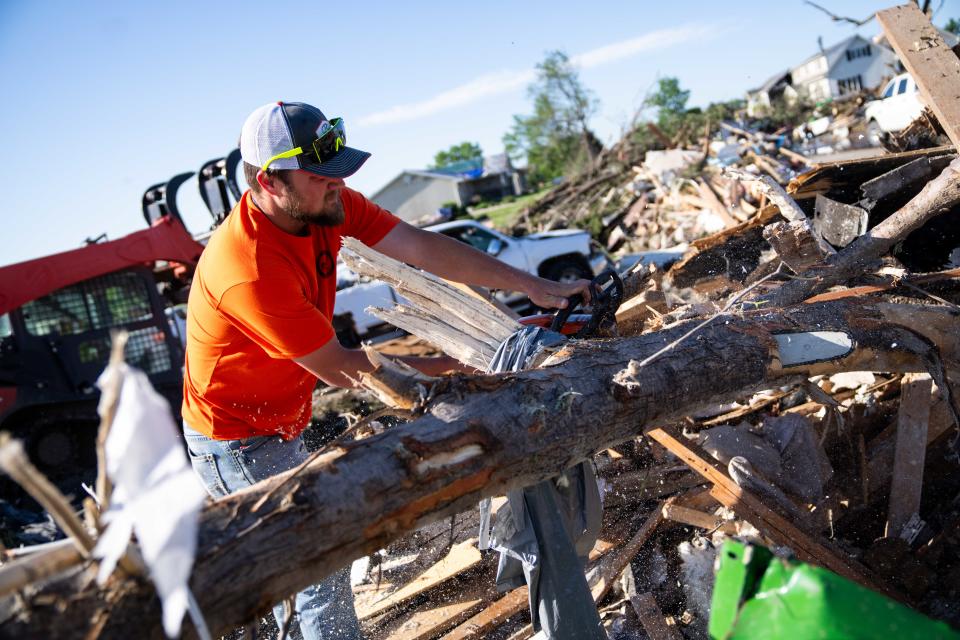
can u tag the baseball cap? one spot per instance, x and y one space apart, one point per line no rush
278 127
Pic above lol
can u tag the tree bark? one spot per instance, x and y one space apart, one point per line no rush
480 436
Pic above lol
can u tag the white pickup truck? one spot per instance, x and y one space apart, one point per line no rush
898 106
562 255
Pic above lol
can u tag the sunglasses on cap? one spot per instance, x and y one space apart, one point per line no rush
331 139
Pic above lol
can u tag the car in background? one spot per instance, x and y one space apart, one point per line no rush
898 106
563 255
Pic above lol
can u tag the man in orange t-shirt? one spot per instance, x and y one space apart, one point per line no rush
259 330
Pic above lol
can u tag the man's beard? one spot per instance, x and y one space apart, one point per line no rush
329 214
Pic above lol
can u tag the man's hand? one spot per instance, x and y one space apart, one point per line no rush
549 294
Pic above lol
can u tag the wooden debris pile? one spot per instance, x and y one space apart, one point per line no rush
649 200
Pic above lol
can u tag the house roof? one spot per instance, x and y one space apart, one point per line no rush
833 53
772 81
460 172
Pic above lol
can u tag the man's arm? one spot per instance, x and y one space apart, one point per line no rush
453 260
341 367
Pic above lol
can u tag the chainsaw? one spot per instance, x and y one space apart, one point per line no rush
606 294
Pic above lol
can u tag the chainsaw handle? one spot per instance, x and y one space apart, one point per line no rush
605 303
563 315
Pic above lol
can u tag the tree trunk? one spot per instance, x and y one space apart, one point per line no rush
481 436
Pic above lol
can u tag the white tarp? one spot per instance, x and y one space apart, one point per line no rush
156 494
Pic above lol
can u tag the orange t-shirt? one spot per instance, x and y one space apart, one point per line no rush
260 297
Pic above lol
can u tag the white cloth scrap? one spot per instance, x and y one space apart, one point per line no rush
156 494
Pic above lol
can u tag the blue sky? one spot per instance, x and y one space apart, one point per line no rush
103 99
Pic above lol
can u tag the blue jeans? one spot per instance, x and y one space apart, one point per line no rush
325 610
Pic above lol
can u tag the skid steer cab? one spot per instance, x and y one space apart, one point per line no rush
56 316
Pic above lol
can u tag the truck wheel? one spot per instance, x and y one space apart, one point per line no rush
567 270
875 134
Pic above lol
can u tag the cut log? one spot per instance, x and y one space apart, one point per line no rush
481 436
652 619
910 452
933 65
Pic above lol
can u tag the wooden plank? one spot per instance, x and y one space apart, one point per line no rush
907 483
695 518
461 558
423 625
714 204
652 619
517 601
613 565
634 312
774 526
933 65
851 174
493 616
882 450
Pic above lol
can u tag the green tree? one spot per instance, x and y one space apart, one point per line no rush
465 151
556 138
952 26
671 104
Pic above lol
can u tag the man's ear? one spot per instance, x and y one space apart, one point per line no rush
267 183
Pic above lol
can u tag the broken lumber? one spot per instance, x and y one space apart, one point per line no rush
633 313
652 619
933 65
424 625
700 519
767 521
794 244
613 564
910 452
492 617
881 462
461 558
849 175
713 203
938 196
465 326
480 436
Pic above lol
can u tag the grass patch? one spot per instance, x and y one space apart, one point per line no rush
504 215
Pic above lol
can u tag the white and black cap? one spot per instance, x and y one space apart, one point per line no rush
278 127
